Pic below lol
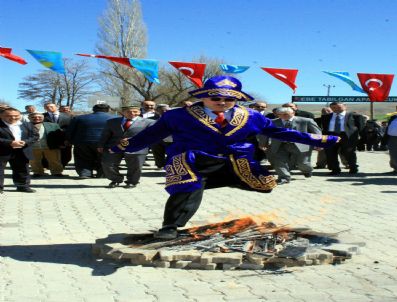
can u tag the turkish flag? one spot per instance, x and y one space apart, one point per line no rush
6 53
286 76
193 71
124 61
377 86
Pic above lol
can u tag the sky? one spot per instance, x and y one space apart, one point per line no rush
309 35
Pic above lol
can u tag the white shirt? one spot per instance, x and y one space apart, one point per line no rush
54 116
15 130
228 114
342 115
392 130
148 114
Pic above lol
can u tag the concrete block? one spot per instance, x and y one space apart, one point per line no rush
138 254
251 266
228 258
180 264
255 259
190 255
196 265
162 264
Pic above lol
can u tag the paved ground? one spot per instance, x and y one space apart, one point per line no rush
45 240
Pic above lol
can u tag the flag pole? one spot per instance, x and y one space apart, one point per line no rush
371 106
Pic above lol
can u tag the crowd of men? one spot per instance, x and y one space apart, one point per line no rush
38 141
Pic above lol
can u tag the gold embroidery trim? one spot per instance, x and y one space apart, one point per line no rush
177 170
239 120
242 168
199 113
223 91
324 138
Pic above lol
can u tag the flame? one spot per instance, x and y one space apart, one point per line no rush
227 228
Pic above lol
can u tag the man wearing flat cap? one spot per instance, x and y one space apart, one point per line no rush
118 131
209 148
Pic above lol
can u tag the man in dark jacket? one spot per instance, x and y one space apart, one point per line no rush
121 129
53 115
390 138
16 138
347 125
47 146
84 132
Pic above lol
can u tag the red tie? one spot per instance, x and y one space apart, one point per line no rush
220 118
127 124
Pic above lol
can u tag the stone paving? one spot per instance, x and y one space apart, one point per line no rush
45 239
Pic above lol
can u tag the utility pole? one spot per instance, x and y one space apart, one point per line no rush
329 86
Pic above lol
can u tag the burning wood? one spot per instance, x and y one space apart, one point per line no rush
259 245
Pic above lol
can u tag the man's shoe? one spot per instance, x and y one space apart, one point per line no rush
319 167
58 175
308 174
113 184
84 177
166 233
129 186
25 190
37 175
334 172
282 181
353 171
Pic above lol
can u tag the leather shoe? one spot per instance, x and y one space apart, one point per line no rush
166 233
58 175
113 184
25 190
282 181
353 171
307 175
319 167
129 186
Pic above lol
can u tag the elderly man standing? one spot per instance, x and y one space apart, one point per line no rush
347 125
47 146
209 148
282 153
118 130
53 115
16 139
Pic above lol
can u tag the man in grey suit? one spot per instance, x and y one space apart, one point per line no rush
16 139
280 153
117 131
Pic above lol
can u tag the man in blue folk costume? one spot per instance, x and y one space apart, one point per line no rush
210 148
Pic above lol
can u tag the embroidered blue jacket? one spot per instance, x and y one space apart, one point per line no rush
193 132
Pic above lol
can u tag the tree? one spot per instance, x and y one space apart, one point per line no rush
122 33
66 89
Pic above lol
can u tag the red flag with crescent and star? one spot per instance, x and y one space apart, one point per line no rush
193 71
377 86
124 61
6 53
286 76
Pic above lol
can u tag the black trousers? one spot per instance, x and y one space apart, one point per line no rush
87 159
181 207
347 149
20 169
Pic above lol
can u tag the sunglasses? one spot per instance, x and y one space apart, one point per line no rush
225 99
